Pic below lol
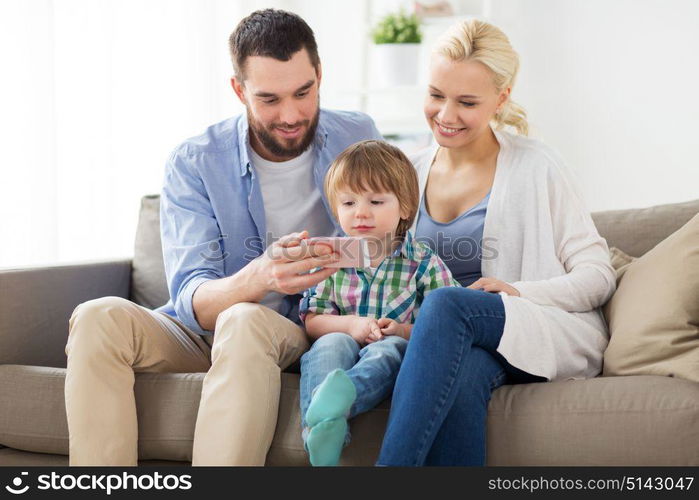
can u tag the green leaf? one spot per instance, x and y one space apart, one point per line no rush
397 28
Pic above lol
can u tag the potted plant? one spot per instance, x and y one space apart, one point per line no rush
397 40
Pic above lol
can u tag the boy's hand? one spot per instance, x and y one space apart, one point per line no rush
365 330
392 327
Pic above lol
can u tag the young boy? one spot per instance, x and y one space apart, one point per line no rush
361 318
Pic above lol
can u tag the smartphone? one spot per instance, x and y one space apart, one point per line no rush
353 251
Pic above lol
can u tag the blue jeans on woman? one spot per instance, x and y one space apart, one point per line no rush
373 368
440 401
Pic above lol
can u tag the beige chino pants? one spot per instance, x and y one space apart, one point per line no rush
112 338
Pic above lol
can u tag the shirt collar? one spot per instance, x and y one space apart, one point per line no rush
407 247
321 138
243 144
319 142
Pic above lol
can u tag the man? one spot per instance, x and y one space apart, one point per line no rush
227 195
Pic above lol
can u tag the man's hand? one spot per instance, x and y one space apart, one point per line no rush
392 327
493 285
365 330
276 270
279 268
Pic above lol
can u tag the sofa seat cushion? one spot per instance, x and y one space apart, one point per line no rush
637 420
10 457
33 416
641 420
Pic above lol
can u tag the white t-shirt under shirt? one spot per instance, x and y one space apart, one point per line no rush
292 202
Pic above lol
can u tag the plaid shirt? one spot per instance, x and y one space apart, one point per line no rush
395 291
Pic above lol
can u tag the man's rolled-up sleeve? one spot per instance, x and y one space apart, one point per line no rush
190 235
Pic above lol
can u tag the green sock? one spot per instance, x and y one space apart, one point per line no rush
333 398
325 441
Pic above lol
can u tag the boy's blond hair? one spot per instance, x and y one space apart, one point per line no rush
375 166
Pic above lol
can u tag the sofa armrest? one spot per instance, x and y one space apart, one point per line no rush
37 303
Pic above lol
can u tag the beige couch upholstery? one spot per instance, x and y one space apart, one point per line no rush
639 420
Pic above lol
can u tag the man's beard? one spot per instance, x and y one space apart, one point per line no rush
277 148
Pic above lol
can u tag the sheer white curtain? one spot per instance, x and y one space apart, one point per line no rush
96 93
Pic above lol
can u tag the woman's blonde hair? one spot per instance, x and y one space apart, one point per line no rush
476 40
375 166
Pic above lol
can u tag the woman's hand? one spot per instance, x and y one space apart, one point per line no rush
495 286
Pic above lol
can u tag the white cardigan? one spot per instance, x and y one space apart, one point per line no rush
539 237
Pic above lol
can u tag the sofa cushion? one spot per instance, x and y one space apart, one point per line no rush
637 230
620 261
641 420
604 421
148 284
33 416
654 314
10 457
36 304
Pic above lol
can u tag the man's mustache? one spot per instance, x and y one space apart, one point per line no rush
292 127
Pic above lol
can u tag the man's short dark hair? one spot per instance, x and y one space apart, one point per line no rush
271 33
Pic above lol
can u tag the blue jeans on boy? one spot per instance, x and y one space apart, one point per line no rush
440 401
373 368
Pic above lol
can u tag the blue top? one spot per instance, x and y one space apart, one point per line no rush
458 242
212 218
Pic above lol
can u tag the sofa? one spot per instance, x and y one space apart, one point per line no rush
614 420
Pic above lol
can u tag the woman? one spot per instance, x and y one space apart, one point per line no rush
529 309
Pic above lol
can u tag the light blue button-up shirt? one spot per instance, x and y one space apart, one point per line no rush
212 217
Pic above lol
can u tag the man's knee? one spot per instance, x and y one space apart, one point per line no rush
250 330
249 322
98 311
97 319
240 315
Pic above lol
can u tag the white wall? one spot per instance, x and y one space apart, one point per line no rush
96 93
612 85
